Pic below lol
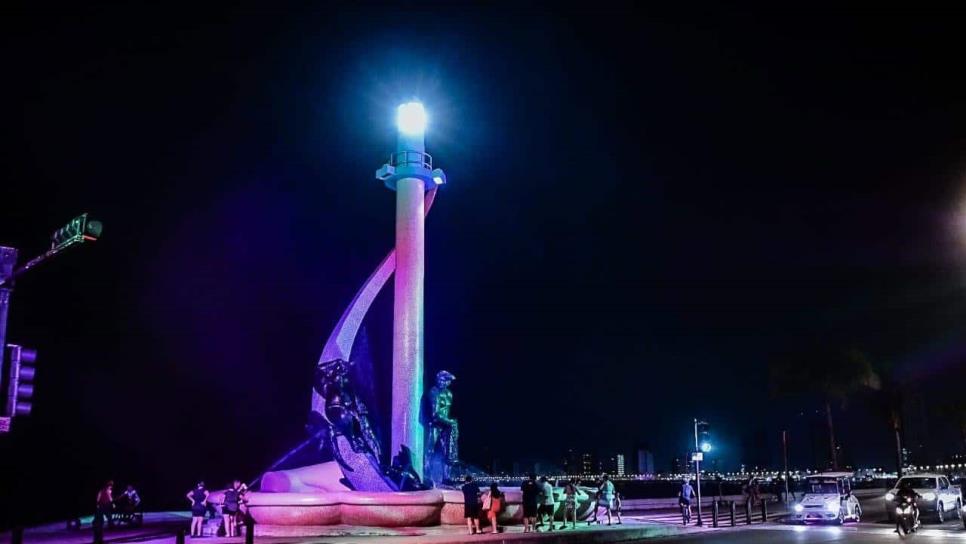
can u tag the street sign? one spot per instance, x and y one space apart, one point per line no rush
4 424
697 456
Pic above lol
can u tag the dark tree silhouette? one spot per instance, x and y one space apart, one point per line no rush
829 375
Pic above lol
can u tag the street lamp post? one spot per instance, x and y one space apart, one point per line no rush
697 469
701 447
785 460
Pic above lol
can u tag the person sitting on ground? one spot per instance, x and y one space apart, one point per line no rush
494 503
547 502
471 505
531 494
132 501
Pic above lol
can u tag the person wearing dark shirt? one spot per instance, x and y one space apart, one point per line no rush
907 493
198 497
471 505
103 511
531 494
231 505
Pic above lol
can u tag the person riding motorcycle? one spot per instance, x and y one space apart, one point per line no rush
907 493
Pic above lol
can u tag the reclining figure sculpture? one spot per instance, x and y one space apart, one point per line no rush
344 414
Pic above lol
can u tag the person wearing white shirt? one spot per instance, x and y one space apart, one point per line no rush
547 502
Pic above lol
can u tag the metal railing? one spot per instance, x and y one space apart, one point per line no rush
411 158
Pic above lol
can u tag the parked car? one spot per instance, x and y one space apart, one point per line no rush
939 498
828 497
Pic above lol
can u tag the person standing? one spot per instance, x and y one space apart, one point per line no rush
198 497
618 505
752 491
493 504
103 510
606 497
547 502
231 507
471 505
571 494
596 502
531 492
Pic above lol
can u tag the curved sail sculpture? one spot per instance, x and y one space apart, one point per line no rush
362 469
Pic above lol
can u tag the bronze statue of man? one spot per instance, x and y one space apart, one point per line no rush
443 429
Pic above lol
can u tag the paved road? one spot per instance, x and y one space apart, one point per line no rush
863 533
873 530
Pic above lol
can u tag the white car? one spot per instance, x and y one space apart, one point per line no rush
828 497
939 498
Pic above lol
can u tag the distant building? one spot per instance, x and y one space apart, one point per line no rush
572 462
612 464
645 461
681 464
587 463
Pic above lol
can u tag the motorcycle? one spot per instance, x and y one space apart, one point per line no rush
906 519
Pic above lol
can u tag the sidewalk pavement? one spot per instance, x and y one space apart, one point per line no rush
160 528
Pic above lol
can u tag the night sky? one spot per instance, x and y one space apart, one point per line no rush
644 211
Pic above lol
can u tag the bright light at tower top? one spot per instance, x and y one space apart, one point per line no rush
411 118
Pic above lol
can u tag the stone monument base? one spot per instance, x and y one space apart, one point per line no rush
315 496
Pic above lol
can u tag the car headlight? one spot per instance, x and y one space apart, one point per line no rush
832 506
798 508
929 496
890 496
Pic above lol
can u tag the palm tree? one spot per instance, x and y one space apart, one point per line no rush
832 375
888 403
955 409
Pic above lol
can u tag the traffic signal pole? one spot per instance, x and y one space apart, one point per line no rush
79 230
8 258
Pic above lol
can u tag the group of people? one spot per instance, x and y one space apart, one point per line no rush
233 507
110 509
539 504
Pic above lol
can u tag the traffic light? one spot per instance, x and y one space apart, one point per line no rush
20 380
704 436
79 229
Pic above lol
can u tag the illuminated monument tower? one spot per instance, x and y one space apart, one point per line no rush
410 173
